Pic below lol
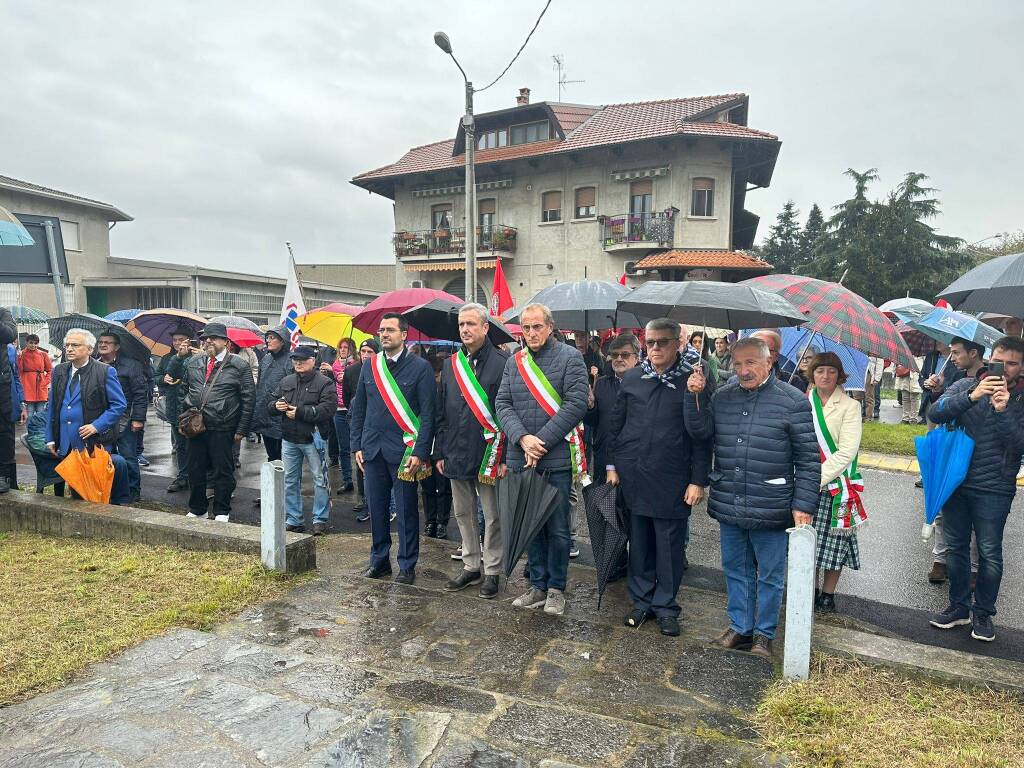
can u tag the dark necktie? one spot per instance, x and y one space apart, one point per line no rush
73 387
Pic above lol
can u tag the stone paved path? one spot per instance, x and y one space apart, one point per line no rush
346 671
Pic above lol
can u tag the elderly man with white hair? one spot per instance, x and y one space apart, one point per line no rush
86 403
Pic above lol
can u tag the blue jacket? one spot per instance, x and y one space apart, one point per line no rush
374 431
72 408
17 391
767 461
998 437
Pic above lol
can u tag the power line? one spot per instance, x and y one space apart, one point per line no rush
506 69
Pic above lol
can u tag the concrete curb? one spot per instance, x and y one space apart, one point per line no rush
51 515
892 463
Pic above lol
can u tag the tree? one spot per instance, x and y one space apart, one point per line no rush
782 248
1006 243
811 237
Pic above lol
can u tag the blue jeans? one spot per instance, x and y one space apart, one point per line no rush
127 447
384 489
754 562
341 430
35 407
293 454
986 514
548 553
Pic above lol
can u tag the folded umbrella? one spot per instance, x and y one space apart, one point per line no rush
995 286
608 521
584 305
90 473
155 327
945 325
944 456
706 302
525 502
439 319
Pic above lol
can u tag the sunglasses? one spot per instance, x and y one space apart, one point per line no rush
621 355
656 343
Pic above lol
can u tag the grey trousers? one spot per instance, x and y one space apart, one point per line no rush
464 493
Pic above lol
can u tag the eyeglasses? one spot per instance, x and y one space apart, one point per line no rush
621 355
655 343
533 328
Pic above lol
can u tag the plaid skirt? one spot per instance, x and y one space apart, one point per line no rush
835 551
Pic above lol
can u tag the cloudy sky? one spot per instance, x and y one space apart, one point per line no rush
225 128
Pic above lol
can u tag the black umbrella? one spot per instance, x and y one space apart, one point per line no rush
585 305
525 502
439 319
608 521
995 286
706 302
131 345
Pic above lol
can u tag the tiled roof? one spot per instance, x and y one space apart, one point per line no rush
586 127
706 259
17 185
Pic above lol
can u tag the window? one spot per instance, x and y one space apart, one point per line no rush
69 234
585 203
528 132
703 203
551 206
485 210
441 216
156 297
492 139
69 298
10 293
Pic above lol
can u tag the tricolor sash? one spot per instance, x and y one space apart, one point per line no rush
847 507
550 401
403 415
479 404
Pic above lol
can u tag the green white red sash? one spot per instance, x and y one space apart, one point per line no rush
479 404
548 399
847 507
403 415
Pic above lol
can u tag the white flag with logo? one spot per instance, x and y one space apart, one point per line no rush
293 305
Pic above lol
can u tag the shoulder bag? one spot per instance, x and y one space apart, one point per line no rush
190 422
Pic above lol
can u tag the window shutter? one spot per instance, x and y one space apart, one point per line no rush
552 201
585 196
703 184
645 187
485 206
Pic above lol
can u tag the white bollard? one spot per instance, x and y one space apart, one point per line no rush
272 534
796 660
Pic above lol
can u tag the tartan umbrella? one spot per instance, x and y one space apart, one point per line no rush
838 313
919 343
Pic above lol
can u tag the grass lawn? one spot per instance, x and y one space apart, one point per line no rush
890 438
65 603
849 715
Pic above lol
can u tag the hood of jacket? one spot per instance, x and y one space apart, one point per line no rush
282 333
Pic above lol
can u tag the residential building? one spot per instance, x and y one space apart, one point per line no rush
652 189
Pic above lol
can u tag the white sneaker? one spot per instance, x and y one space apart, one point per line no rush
193 514
555 603
222 519
532 599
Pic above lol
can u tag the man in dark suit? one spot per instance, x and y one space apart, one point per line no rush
135 386
86 404
393 456
349 382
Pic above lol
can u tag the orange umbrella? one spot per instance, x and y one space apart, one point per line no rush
90 475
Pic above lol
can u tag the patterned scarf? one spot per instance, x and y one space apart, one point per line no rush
683 365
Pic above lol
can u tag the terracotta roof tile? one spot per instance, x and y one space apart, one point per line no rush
707 259
587 127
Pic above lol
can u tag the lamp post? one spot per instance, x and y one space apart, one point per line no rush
469 129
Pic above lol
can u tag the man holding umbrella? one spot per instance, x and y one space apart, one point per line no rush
663 470
540 404
469 447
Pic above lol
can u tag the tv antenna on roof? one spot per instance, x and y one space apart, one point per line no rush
559 61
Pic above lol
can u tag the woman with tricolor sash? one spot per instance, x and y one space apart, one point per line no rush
840 513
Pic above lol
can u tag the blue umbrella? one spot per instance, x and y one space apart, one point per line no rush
795 343
122 315
12 231
944 325
944 456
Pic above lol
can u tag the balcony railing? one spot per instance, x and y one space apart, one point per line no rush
625 229
428 242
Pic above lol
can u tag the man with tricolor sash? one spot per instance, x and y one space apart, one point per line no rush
540 405
469 447
392 434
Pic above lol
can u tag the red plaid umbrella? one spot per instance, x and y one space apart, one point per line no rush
838 313
919 344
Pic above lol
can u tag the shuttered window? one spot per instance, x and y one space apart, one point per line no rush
586 198
551 206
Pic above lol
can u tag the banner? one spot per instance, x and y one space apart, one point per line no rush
501 297
293 304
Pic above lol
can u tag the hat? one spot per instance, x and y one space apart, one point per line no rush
302 353
183 330
371 343
218 330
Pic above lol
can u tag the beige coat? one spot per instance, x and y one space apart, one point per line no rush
842 415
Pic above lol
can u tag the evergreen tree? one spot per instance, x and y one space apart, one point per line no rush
782 248
811 237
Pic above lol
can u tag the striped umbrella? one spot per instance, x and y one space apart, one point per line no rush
838 313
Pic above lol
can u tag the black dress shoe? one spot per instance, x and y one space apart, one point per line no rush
669 625
377 572
441 532
319 529
295 528
463 580
489 588
406 577
175 486
363 517
430 530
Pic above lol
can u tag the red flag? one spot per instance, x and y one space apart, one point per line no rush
622 280
501 297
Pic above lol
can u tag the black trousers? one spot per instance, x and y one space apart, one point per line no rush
656 563
437 498
210 453
273 446
8 468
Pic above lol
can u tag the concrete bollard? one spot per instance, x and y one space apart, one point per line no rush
272 534
796 660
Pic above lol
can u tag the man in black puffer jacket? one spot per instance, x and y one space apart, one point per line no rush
766 478
304 400
990 408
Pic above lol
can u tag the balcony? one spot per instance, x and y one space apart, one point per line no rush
638 231
426 244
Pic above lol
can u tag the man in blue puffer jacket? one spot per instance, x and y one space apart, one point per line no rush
766 478
990 408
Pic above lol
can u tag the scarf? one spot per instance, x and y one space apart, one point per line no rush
683 366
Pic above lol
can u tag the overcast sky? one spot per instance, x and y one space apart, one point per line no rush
225 128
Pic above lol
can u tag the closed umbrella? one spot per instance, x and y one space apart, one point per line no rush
608 523
944 456
12 231
90 472
706 302
368 318
945 325
525 502
439 319
995 286
154 327
584 305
